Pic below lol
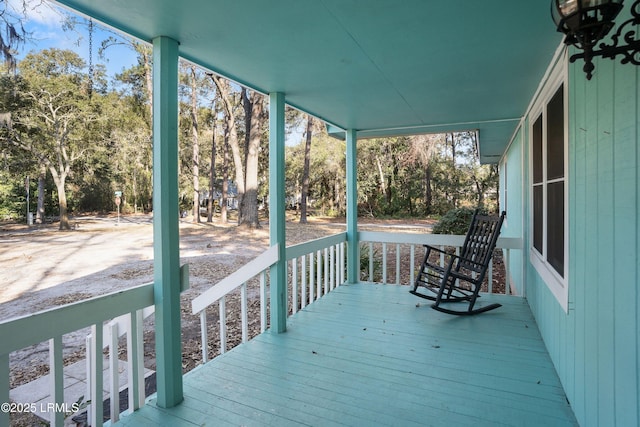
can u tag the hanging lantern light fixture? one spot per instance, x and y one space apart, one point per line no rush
587 22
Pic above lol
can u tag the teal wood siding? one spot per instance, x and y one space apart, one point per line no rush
511 198
595 346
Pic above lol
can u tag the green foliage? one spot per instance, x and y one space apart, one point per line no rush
327 179
11 202
456 221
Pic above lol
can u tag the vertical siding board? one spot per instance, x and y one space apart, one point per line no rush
577 217
568 376
591 248
606 249
637 248
625 337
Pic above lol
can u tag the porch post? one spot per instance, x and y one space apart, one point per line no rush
353 260
278 273
166 256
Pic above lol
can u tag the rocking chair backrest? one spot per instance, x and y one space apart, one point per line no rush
480 242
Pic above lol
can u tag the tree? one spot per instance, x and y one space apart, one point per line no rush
253 105
231 136
56 117
305 171
422 149
196 145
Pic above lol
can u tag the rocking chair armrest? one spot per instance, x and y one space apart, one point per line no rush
459 259
448 264
430 248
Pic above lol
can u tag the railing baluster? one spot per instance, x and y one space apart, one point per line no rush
4 387
332 266
243 312
56 380
507 283
135 362
114 396
342 263
370 262
412 268
398 263
263 301
490 277
311 278
204 336
223 325
89 372
384 263
326 271
294 285
318 274
96 375
303 286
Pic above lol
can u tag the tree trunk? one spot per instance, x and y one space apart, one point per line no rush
40 208
305 171
232 137
212 175
254 118
455 179
59 180
148 77
383 182
428 189
225 178
134 187
196 147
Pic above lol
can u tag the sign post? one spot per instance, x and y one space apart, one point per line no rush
27 192
118 200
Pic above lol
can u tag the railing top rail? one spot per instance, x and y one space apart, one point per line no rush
234 280
305 248
35 328
431 239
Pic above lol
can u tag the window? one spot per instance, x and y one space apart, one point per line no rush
548 190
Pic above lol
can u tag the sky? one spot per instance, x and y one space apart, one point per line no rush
44 23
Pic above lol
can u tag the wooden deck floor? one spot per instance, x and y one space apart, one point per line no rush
368 355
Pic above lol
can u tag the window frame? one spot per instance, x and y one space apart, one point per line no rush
557 283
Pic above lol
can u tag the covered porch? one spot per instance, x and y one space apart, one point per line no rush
372 354
362 354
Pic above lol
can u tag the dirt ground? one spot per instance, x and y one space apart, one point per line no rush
41 267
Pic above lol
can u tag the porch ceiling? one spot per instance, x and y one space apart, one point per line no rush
382 67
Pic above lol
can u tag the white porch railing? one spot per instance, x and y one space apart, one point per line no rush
315 268
219 292
109 316
404 253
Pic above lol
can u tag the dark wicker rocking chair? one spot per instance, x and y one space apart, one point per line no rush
460 278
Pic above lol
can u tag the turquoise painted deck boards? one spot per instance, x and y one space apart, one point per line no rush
376 355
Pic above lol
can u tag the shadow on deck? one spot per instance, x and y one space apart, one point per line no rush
375 355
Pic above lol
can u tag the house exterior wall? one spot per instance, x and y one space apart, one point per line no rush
595 344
